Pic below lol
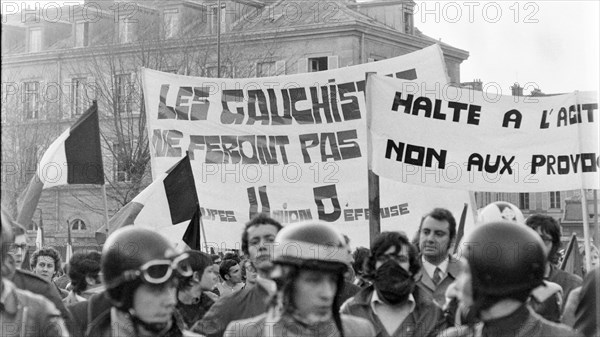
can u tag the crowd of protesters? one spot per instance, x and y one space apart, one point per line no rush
305 280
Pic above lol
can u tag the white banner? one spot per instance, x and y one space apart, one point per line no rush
442 136
293 146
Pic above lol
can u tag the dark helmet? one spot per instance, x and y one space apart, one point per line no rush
311 245
125 251
314 246
504 259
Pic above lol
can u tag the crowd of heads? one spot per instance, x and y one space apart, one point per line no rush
142 270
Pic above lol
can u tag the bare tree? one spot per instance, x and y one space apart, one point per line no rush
112 65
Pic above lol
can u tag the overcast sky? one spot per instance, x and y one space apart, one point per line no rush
551 45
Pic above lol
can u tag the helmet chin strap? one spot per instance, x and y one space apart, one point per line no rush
155 328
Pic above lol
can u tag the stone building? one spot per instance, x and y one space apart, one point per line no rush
56 60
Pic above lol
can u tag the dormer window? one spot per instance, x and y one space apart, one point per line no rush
408 22
35 39
81 34
171 23
125 31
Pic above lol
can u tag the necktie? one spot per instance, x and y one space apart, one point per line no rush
437 276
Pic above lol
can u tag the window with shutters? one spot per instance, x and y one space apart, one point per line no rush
119 164
554 199
524 201
123 93
317 64
125 30
78 95
408 22
264 69
31 99
171 23
81 34
35 39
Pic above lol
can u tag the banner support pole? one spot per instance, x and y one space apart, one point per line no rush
373 179
586 230
203 235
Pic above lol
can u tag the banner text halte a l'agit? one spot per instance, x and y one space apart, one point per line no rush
462 139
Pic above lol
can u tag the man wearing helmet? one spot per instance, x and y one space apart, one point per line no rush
501 265
141 270
394 304
309 265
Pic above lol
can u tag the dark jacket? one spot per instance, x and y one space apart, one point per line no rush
427 319
29 281
438 293
29 315
191 313
531 325
242 304
287 326
86 313
566 280
586 314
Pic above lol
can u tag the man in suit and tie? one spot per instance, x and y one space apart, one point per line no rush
436 236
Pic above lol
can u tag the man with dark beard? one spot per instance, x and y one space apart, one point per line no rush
393 303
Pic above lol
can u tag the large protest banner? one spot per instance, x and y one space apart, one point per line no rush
442 136
293 146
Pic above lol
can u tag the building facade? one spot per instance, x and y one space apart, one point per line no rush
57 60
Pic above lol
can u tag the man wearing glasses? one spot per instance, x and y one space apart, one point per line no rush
393 303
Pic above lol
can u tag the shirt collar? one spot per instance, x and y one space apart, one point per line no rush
430 268
375 300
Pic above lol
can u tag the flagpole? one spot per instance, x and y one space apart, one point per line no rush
105 209
372 178
203 234
473 203
586 230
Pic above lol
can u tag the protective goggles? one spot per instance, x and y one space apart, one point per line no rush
158 271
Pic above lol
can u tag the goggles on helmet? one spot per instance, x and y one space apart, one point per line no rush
157 271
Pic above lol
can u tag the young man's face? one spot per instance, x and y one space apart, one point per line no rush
45 267
260 243
434 239
155 303
208 279
235 274
314 293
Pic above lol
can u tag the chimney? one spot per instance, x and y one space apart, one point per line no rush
517 90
